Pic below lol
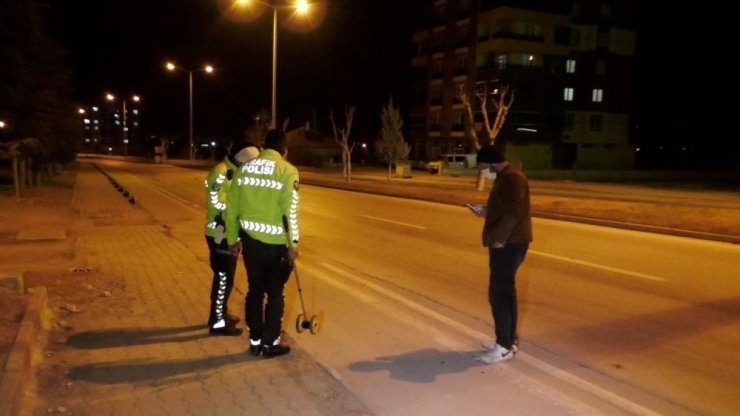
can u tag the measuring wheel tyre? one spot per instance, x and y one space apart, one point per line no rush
299 323
315 324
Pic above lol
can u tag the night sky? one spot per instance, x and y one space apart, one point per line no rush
358 55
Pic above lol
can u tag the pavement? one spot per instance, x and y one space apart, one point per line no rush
141 347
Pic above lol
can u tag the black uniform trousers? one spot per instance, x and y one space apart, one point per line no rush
223 264
268 269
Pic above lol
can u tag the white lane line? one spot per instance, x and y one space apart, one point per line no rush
584 385
176 198
401 299
441 337
598 266
395 222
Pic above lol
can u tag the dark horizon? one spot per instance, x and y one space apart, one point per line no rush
359 55
342 62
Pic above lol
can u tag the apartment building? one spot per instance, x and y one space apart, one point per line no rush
569 63
106 132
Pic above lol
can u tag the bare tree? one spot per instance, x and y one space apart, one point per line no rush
504 98
341 136
260 124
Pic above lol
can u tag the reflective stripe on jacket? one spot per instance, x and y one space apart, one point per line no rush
263 191
217 191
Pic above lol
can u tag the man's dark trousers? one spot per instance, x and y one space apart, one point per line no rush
503 263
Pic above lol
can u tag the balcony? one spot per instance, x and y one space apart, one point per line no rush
518 36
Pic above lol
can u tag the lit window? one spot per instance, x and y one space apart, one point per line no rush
570 66
597 95
501 61
568 94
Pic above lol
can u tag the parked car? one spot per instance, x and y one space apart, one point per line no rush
452 164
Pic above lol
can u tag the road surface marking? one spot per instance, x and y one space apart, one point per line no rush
395 222
598 266
584 385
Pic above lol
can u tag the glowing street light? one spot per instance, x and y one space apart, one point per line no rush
207 69
134 98
300 8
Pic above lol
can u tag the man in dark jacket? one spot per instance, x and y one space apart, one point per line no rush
507 232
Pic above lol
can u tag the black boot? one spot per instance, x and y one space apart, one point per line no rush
229 330
269 351
255 350
229 318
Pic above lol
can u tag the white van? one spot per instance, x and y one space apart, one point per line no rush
453 164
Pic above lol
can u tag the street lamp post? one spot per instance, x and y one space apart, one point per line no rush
207 69
273 114
301 7
135 98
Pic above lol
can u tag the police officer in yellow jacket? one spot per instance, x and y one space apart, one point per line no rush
222 260
264 190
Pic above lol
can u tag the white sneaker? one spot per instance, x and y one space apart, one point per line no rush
496 355
491 344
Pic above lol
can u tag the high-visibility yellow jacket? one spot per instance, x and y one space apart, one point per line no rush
217 192
263 191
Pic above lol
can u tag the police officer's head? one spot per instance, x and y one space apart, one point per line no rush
242 152
276 140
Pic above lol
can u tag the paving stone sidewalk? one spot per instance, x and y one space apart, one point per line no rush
145 350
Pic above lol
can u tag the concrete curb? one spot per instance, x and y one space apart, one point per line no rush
18 369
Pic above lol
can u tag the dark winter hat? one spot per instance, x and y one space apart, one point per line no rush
276 140
489 154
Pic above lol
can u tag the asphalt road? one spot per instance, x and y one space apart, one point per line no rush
613 321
